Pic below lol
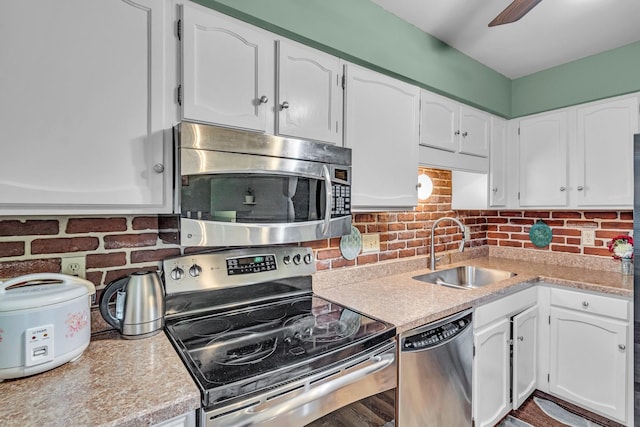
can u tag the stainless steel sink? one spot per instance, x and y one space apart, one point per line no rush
465 277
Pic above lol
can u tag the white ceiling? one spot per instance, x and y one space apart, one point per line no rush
552 33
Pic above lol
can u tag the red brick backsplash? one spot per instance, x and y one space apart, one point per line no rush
113 247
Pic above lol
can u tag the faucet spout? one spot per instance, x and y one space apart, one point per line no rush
432 254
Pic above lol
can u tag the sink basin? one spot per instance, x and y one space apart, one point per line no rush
465 277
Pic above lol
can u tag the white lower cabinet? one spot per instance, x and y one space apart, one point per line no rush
589 352
505 355
491 374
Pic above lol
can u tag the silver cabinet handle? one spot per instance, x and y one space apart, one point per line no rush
457 133
284 105
563 188
622 346
580 188
520 338
264 99
158 168
494 189
585 304
464 134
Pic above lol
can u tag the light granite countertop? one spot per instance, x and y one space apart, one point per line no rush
121 382
116 382
408 303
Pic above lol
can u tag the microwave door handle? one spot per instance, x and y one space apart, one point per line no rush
329 195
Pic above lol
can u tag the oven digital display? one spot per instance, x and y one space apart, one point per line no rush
250 264
340 174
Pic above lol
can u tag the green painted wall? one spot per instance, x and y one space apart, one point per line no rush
362 32
611 73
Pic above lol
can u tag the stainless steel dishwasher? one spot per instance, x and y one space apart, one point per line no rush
434 383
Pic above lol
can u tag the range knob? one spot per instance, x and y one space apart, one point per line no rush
297 259
308 258
286 259
195 270
177 273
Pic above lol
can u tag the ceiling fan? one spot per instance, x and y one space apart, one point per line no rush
516 10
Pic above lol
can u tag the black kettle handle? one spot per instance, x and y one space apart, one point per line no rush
105 297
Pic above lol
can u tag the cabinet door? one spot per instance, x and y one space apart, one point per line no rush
439 122
82 107
525 352
491 373
498 163
309 93
543 160
588 361
381 128
227 71
603 163
474 132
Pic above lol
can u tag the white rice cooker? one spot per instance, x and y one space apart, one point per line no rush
45 321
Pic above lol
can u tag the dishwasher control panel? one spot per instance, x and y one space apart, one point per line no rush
437 335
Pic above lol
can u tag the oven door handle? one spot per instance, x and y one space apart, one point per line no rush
251 417
328 187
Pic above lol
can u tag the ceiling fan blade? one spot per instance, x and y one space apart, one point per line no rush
516 10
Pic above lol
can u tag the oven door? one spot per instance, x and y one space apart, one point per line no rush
245 199
360 392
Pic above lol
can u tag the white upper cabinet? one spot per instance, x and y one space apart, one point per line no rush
602 172
543 160
309 93
236 75
599 171
439 122
474 132
227 71
498 163
453 135
381 127
82 110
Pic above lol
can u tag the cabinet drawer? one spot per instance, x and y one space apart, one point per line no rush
589 303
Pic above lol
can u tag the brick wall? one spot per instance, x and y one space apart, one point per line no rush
407 234
113 247
511 228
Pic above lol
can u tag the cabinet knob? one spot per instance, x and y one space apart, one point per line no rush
264 99
284 105
464 134
494 189
580 188
563 188
585 304
456 133
520 338
158 168
622 346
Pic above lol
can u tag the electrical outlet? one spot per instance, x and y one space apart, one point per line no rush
73 266
588 237
467 233
370 242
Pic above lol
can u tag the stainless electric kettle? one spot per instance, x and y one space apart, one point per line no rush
139 310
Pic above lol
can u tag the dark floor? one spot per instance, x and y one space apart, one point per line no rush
530 413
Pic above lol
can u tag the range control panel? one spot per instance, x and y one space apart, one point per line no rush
438 335
233 267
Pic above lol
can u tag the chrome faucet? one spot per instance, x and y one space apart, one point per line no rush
433 229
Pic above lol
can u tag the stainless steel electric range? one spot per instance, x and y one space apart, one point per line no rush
264 350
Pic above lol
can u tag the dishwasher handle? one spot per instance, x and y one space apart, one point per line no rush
437 334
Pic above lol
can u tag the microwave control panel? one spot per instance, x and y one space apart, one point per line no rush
341 202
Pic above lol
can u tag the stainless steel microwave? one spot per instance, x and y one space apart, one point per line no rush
237 188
